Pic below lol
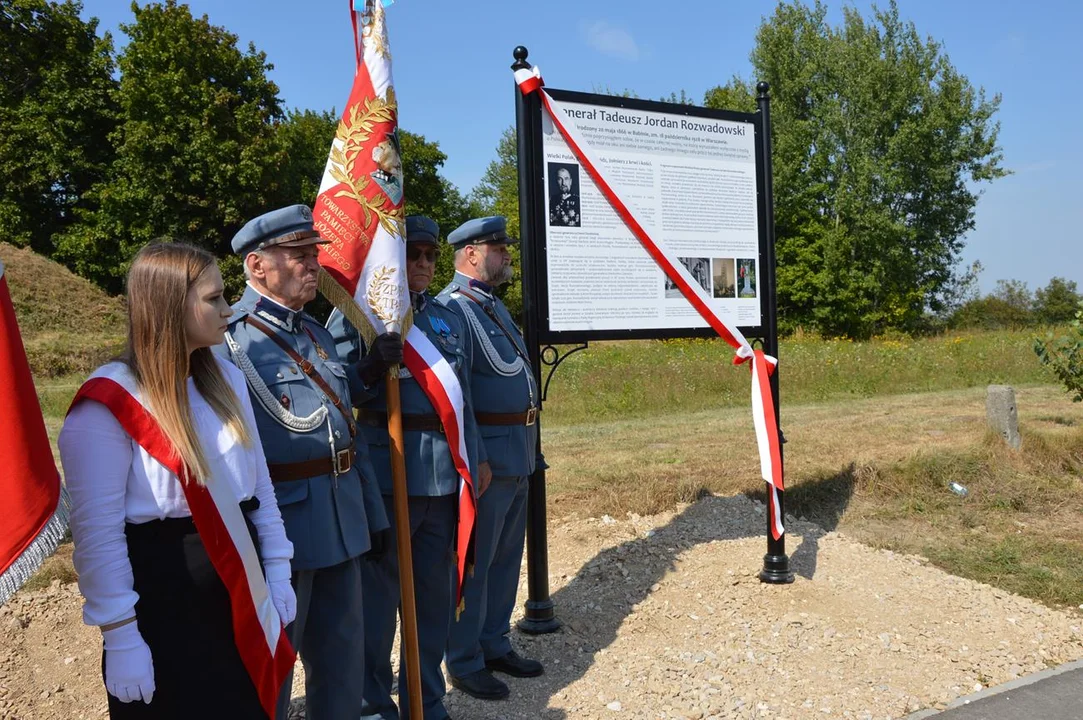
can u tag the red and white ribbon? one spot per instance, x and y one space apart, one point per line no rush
257 628
763 408
437 379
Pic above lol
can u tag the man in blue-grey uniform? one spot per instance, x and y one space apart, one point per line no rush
432 484
505 400
323 480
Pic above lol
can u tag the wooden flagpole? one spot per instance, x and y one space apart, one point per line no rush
402 536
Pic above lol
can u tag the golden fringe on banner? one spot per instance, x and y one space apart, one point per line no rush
345 303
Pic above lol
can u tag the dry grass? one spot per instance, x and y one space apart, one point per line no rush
876 469
57 566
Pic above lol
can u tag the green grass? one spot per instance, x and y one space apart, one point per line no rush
644 378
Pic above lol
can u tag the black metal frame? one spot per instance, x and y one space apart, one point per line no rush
540 615
535 160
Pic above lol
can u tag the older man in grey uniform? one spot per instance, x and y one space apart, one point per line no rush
505 399
324 483
432 483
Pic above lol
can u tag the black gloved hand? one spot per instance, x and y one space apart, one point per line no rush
385 351
380 542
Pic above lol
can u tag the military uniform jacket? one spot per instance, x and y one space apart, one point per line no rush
430 469
328 517
501 381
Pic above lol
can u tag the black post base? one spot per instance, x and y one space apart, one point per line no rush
776 570
540 618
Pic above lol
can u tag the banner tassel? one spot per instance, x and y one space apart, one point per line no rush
41 547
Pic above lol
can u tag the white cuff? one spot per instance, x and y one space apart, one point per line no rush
277 570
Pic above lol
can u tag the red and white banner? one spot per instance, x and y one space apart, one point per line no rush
437 378
35 507
360 210
257 628
763 409
360 205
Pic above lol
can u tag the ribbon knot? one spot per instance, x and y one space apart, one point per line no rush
529 80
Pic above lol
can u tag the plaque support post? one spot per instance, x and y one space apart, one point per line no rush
776 564
540 615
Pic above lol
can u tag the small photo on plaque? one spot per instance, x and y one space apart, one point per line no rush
746 278
699 268
725 277
564 208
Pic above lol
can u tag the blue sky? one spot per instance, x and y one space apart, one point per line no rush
451 75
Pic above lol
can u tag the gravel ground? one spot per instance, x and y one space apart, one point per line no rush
664 617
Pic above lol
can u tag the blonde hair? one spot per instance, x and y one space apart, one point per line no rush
159 280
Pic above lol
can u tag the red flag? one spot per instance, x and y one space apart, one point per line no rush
360 209
35 510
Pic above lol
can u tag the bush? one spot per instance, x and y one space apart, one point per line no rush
1064 355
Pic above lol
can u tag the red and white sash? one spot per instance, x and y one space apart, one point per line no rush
763 407
257 627
437 379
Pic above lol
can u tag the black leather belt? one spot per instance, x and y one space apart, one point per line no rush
524 418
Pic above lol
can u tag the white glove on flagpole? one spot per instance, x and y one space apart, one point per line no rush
129 668
281 590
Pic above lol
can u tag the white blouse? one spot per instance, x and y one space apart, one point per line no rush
113 481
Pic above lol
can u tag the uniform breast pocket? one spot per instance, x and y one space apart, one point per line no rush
289 386
339 384
454 354
503 346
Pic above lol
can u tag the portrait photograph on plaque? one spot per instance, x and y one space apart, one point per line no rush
564 195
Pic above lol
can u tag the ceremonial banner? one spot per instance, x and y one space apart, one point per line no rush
683 280
257 628
35 506
360 210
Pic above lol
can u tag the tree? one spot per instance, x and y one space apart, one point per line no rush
1064 356
1010 305
196 151
431 194
304 138
1057 302
878 144
56 112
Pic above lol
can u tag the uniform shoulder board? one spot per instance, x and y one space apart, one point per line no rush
239 314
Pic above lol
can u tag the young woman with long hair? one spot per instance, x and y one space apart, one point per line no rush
182 558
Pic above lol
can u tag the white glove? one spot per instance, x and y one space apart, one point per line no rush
129 669
285 600
281 590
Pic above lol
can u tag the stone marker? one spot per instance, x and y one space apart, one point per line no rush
1001 415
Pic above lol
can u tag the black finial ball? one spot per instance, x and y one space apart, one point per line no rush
763 86
520 53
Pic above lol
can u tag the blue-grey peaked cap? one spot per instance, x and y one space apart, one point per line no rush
420 229
480 231
286 227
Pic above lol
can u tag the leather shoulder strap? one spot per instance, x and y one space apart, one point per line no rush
306 367
488 310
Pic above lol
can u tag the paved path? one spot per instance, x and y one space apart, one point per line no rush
1055 694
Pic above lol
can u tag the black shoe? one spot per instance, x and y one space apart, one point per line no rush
481 685
515 665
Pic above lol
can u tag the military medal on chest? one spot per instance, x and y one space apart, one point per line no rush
319 350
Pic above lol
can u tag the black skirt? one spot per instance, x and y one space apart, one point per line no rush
184 615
